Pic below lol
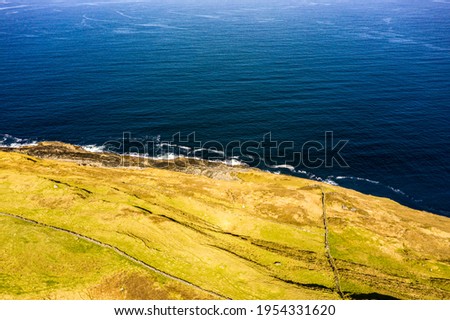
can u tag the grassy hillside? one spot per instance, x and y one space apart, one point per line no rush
71 230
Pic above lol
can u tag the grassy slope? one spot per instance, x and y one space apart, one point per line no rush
260 236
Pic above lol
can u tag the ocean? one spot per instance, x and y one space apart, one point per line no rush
375 74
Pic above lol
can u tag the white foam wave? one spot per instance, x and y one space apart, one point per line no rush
355 178
229 162
331 182
165 144
170 145
209 150
168 156
173 156
183 147
216 151
9 141
310 175
396 190
198 150
20 145
93 148
135 155
233 162
283 166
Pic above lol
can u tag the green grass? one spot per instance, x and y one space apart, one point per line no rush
258 237
40 263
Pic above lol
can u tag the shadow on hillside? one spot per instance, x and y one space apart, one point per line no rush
370 296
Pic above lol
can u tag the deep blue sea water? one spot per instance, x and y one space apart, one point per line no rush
374 73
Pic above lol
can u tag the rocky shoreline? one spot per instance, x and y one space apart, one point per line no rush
67 152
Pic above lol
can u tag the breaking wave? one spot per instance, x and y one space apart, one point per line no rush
8 141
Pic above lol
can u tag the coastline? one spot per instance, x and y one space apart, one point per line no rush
78 154
185 160
223 170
